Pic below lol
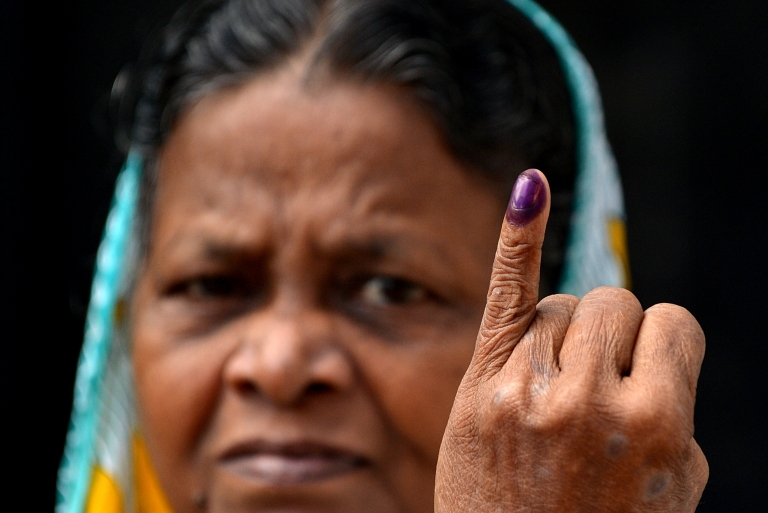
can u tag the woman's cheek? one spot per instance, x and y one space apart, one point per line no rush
178 383
416 382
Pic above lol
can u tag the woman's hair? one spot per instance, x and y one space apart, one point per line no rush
489 79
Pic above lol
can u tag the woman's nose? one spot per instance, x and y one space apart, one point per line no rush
288 359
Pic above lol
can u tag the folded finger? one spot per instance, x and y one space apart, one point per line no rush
601 338
669 348
538 349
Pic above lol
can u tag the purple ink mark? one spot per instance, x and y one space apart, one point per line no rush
529 195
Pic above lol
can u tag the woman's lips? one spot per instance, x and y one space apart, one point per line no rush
290 464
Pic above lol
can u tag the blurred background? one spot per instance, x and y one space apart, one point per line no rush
685 87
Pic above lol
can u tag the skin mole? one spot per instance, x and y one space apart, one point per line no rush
616 446
657 485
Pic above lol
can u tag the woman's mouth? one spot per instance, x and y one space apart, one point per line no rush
290 464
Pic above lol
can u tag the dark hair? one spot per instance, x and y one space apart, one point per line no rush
487 76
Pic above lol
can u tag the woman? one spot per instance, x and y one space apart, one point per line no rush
308 268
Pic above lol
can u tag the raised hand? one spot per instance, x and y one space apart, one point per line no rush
571 405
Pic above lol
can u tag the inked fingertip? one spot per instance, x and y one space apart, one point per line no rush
529 196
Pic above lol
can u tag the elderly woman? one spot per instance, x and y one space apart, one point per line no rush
292 309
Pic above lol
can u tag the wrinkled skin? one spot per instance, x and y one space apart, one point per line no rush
573 405
317 272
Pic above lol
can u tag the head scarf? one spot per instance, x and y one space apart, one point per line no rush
106 468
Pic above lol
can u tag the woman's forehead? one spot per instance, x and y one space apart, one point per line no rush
282 121
343 152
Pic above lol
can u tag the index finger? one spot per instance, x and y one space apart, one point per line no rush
514 289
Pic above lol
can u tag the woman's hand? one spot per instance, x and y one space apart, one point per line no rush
571 405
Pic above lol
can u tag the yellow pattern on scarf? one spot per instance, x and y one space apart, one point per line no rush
617 235
149 496
105 495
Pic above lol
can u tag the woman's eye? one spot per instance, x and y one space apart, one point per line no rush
386 290
208 287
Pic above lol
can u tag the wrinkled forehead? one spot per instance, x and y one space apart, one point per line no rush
323 155
282 133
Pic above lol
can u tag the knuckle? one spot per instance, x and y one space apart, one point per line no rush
678 337
512 248
559 418
677 317
574 405
509 269
612 311
570 395
497 342
669 309
511 283
649 417
559 302
507 305
508 397
558 306
658 421
505 408
613 297
504 302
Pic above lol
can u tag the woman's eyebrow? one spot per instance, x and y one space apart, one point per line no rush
215 250
374 248
379 247
211 249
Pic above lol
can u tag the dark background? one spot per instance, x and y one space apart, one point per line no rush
685 86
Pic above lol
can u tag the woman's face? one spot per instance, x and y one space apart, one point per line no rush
317 271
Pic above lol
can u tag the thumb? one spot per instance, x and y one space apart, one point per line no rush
514 290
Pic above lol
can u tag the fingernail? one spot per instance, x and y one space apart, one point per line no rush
529 195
